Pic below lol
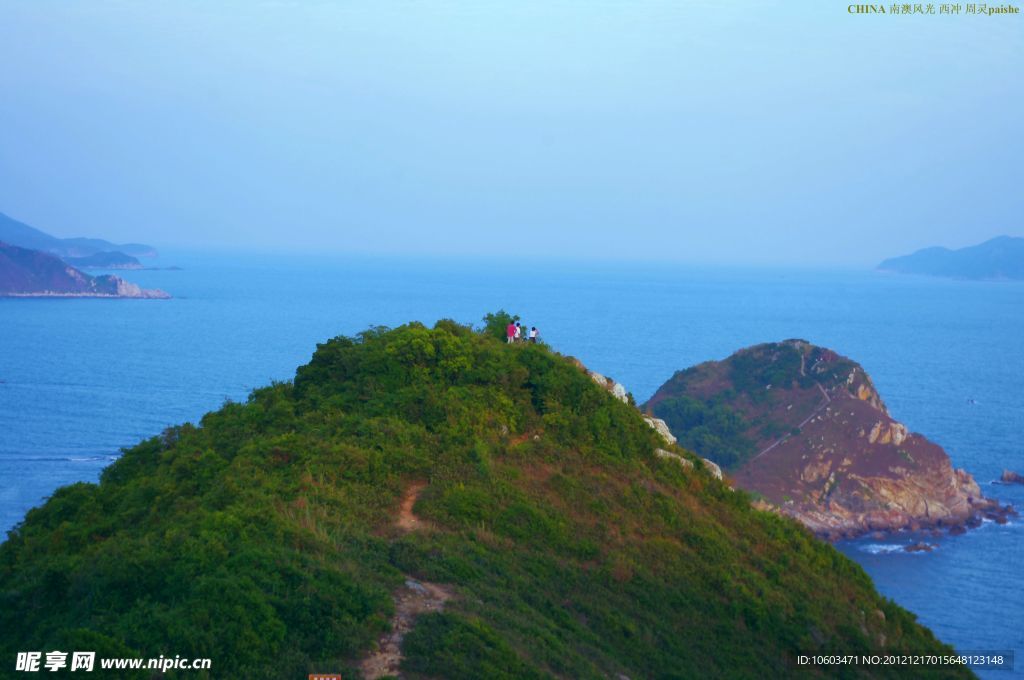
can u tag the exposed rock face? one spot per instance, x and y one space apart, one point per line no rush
659 425
32 273
617 390
131 290
685 462
662 428
713 467
806 430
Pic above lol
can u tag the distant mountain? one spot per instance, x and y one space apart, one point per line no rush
999 258
105 260
22 235
32 273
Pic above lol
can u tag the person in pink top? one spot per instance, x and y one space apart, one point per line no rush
510 333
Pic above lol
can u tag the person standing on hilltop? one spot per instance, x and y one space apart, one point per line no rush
533 334
510 333
519 333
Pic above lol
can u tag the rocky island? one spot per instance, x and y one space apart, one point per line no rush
805 430
998 258
32 273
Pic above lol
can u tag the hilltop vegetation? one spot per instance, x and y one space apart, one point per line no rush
263 537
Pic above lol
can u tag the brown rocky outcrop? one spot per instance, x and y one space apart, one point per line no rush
920 547
806 430
1011 477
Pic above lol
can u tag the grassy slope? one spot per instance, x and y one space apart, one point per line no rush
263 537
723 411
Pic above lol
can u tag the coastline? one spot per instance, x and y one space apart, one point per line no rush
147 295
188 353
982 510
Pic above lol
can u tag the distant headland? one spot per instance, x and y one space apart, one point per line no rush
109 259
36 264
32 273
998 258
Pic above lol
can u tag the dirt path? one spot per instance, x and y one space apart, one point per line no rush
411 600
407 519
816 411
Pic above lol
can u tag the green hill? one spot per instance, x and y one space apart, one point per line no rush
265 536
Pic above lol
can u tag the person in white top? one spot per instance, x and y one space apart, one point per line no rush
533 334
519 333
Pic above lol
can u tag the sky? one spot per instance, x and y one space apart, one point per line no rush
752 131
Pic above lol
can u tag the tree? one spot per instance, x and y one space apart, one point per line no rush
496 323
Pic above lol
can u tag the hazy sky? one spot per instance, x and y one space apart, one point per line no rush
753 131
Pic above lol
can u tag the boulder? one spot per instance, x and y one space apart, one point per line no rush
617 389
662 428
716 471
685 462
1011 477
921 547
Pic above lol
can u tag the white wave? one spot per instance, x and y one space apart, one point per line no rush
61 459
882 548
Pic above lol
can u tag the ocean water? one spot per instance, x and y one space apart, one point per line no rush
79 379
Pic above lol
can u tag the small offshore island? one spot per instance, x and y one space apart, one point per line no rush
805 430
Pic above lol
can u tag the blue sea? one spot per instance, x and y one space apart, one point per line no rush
80 379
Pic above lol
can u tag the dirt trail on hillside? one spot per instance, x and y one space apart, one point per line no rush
816 411
407 519
412 599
